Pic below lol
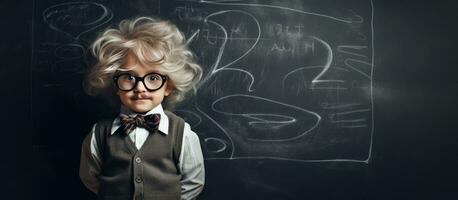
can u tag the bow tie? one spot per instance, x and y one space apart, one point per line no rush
149 122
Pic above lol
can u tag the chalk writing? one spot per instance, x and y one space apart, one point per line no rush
273 70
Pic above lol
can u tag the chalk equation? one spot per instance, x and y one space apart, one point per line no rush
76 18
282 80
68 22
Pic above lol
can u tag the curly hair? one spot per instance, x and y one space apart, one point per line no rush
154 42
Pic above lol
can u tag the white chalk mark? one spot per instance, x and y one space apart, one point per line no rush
215 68
190 39
348 64
192 114
221 128
249 115
250 89
350 49
261 119
371 82
218 141
280 7
62 15
349 120
225 35
353 111
296 70
290 159
359 18
310 67
327 65
220 52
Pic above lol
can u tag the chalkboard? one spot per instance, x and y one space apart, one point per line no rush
299 99
283 80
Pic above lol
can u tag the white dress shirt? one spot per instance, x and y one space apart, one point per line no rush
190 163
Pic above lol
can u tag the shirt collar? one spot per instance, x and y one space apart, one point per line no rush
163 124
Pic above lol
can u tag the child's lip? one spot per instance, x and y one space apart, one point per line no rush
141 98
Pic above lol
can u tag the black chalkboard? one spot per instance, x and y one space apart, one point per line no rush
316 99
283 80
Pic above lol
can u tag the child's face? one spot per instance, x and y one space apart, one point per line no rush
139 99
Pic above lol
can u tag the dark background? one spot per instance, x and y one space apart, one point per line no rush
414 156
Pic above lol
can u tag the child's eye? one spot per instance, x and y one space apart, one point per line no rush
153 77
130 77
127 77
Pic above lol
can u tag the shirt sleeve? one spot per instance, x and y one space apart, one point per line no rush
90 162
191 164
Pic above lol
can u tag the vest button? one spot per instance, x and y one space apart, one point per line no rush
138 160
138 179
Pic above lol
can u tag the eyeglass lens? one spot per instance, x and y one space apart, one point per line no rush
128 81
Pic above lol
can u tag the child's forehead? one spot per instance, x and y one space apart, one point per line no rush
132 64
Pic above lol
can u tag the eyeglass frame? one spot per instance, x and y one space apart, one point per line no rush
138 79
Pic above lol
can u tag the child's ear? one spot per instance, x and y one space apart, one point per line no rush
168 90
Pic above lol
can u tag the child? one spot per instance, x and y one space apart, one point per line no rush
146 152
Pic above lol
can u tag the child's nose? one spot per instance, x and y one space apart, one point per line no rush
140 87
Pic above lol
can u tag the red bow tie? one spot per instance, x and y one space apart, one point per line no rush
149 122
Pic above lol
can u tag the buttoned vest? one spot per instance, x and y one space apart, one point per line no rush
148 173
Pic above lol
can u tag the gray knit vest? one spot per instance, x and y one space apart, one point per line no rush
148 173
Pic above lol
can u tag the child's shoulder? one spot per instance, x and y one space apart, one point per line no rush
175 121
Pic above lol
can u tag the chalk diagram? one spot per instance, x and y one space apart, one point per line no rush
71 20
281 81
60 45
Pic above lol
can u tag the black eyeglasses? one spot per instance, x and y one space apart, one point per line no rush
151 81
